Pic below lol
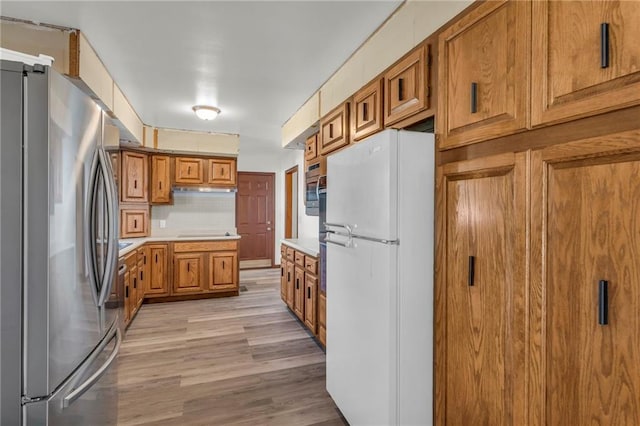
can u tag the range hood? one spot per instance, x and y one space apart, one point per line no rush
203 190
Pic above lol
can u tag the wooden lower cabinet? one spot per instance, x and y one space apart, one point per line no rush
157 283
188 276
298 300
586 263
290 284
223 271
310 291
481 292
322 318
283 280
131 293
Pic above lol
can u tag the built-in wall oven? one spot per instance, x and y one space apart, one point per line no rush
312 188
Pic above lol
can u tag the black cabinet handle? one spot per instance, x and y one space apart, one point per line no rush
474 98
604 45
330 130
288 276
156 257
188 267
160 185
145 259
135 282
189 170
135 223
141 275
308 292
223 264
365 112
401 89
135 184
603 302
126 291
282 272
297 283
472 270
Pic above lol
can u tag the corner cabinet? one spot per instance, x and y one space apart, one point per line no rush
586 58
484 70
334 129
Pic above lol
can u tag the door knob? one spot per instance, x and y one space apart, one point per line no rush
268 222
268 229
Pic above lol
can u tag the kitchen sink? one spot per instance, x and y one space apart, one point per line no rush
123 245
218 234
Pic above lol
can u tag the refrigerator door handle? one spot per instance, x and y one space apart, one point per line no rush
87 384
340 225
377 240
112 259
346 244
90 235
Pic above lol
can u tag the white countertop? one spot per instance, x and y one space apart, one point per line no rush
138 242
309 246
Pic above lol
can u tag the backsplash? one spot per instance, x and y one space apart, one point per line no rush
194 213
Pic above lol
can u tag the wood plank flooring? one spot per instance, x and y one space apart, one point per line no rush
242 360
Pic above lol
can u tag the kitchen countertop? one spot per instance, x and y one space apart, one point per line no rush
138 242
309 246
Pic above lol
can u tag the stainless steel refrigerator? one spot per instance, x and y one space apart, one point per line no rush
58 253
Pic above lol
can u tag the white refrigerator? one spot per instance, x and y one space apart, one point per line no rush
380 222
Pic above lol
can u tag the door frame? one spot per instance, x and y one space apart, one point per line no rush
288 200
272 249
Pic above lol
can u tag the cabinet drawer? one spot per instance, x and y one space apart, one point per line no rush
204 246
366 115
189 170
290 254
299 258
134 222
311 265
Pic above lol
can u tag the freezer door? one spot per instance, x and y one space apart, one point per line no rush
88 397
65 231
362 186
361 333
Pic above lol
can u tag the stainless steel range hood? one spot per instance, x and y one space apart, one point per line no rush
204 190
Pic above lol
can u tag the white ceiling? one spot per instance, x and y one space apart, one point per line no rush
258 61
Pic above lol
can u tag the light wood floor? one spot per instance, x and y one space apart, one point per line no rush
233 361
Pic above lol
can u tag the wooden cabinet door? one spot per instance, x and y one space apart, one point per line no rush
481 292
310 289
223 269
189 170
134 177
222 172
157 282
573 76
586 199
134 222
188 273
127 295
322 318
144 271
484 74
366 115
133 291
290 284
334 129
311 148
283 280
298 301
160 179
406 86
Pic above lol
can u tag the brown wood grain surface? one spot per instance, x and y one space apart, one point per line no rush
255 215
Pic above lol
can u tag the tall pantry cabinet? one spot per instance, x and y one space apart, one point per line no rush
538 233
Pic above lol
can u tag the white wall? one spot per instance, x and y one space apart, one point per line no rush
278 161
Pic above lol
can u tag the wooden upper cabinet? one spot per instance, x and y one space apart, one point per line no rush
156 285
585 226
189 170
586 58
160 179
406 86
222 172
223 269
188 273
484 74
366 114
481 308
134 172
334 129
311 148
134 222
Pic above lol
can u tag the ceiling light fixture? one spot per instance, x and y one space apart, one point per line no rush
206 112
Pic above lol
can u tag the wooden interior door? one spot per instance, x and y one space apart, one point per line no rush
255 212
588 228
480 293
